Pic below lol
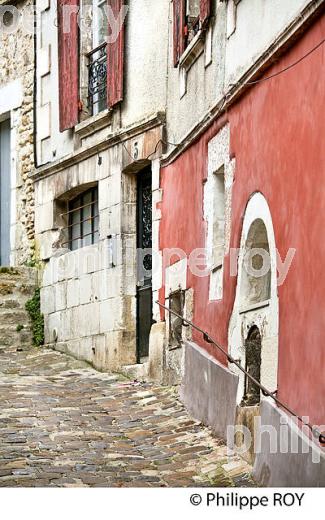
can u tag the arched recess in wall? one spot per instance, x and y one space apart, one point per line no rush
256 306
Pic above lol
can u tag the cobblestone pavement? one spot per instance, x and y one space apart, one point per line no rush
64 424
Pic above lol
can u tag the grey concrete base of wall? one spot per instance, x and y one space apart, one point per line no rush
209 390
296 462
291 459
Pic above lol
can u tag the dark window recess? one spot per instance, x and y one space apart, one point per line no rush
176 304
83 219
190 16
192 19
253 347
97 79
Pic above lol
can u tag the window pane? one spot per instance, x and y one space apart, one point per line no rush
96 219
84 220
87 224
75 230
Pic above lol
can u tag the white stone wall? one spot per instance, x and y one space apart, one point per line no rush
145 69
188 103
145 59
51 144
16 103
257 24
89 304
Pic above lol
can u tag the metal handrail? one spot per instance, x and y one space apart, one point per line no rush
96 49
316 433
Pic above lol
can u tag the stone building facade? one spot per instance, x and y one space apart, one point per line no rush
17 141
237 153
106 164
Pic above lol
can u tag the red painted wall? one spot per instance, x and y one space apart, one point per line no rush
277 137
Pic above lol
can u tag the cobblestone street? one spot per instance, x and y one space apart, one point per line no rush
64 424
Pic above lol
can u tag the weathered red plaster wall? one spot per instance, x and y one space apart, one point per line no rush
277 137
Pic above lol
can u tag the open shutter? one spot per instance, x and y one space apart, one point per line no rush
205 11
179 28
68 50
115 58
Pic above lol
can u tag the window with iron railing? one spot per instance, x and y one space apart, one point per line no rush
97 59
83 219
97 79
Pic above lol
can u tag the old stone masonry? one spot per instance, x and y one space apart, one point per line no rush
63 424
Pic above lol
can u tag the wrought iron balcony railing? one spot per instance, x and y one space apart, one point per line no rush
97 79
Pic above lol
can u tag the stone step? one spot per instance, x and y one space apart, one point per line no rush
13 317
16 339
11 304
137 372
21 274
9 287
17 285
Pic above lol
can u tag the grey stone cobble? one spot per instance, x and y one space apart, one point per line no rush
62 424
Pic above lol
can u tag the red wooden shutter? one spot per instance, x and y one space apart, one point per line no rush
115 59
68 50
205 11
179 28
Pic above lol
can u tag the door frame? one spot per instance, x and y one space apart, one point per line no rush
6 120
143 176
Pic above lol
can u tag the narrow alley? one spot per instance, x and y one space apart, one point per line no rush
64 424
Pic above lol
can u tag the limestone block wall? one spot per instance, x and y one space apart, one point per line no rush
16 103
88 295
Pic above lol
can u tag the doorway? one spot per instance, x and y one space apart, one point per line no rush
144 262
5 192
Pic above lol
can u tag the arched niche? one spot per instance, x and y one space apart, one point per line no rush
256 306
256 273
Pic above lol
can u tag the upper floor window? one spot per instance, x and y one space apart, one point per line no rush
97 79
83 219
86 84
97 59
190 17
192 20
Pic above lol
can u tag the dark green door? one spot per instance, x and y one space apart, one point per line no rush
144 246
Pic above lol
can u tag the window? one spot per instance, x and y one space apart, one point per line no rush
191 17
84 51
97 66
192 26
253 347
177 300
83 219
218 237
216 231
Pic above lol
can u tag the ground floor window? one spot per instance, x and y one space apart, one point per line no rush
83 219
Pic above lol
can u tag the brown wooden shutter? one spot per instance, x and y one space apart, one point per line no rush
115 60
205 11
68 50
179 29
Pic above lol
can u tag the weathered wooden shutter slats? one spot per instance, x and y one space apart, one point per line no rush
179 27
68 51
115 59
205 11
